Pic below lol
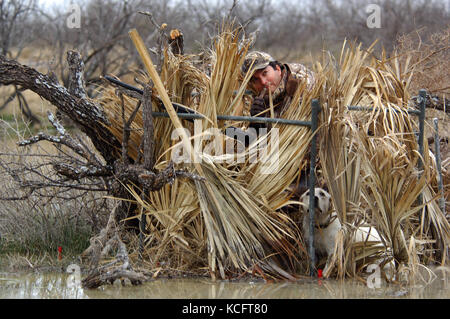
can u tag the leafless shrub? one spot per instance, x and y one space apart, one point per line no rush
430 54
38 222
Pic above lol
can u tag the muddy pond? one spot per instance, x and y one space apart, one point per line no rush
67 286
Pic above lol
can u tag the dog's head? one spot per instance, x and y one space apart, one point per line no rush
321 202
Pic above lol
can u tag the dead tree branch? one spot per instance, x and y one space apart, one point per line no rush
100 247
83 111
148 140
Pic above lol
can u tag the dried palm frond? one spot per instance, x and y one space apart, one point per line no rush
392 181
243 228
183 82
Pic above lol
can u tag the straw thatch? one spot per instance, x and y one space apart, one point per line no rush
232 224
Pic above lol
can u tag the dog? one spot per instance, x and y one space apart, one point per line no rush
327 225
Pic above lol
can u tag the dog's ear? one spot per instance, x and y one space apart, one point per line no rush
303 199
302 189
297 190
304 196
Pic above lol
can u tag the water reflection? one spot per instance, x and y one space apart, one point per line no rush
62 286
38 286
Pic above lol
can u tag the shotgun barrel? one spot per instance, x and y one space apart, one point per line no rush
178 107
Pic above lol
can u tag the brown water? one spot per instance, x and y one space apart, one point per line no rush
65 286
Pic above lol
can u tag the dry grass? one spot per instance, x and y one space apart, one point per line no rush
32 229
429 60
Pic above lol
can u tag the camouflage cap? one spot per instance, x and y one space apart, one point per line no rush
256 60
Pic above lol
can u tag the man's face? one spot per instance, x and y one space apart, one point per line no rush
266 78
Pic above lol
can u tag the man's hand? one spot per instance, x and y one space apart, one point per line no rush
258 106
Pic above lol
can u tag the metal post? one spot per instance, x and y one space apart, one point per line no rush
437 154
422 103
252 119
315 108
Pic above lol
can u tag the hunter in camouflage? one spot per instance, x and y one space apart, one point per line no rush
281 79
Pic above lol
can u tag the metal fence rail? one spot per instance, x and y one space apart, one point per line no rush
313 125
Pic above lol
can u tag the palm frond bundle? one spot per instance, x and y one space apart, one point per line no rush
369 159
232 223
229 224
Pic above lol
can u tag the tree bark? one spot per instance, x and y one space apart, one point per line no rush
80 109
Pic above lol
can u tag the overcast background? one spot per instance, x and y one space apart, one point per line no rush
43 31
